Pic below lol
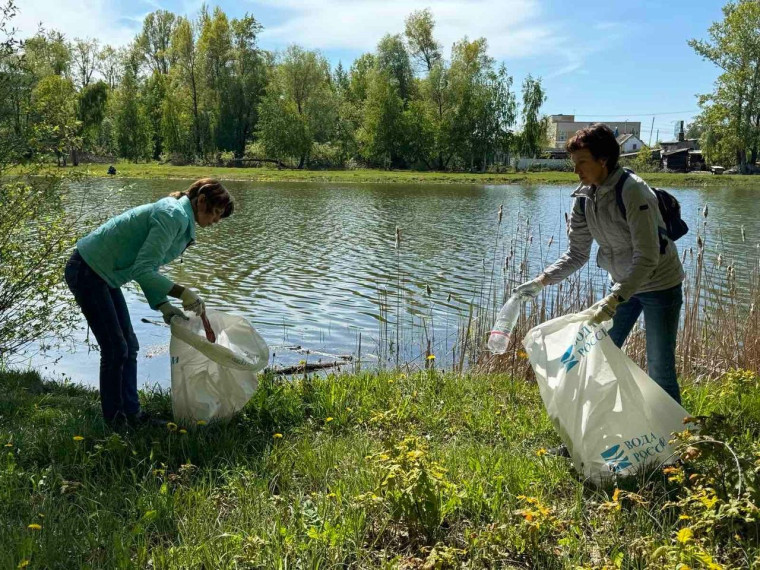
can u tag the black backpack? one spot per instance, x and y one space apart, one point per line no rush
670 209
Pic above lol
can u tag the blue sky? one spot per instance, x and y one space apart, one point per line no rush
614 60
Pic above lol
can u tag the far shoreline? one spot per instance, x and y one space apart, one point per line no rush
376 176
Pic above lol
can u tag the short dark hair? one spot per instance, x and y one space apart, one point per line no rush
600 141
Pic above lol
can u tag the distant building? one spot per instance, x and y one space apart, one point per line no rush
682 154
562 127
629 143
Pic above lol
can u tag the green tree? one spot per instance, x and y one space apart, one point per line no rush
533 127
155 39
186 78
84 57
299 107
91 110
393 60
36 233
131 121
48 54
384 131
732 112
110 64
359 77
54 106
424 49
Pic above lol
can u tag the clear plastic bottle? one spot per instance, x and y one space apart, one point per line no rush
502 328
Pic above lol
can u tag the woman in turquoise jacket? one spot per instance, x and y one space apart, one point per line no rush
131 247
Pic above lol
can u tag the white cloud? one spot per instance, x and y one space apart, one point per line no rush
100 19
513 28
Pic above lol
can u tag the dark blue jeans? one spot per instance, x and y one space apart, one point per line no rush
107 314
662 310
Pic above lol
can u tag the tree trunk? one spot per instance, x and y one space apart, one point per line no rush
301 162
74 157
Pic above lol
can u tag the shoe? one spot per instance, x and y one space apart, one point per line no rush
142 418
559 451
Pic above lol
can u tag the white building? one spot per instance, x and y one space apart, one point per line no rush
562 127
629 143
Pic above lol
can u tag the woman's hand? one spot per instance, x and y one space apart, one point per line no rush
169 311
192 302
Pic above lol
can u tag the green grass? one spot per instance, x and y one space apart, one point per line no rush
360 176
426 471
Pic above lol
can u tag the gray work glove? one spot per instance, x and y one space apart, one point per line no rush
192 302
169 311
529 290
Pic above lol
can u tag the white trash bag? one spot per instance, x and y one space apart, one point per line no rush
612 416
214 380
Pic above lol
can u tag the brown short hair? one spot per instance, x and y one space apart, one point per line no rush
600 141
216 195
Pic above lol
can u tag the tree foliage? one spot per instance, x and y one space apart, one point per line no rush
731 113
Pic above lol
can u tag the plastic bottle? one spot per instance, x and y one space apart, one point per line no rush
502 328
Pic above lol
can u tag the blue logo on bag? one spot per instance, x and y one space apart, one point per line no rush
616 459
568 359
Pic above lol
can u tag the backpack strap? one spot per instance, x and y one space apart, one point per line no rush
619 191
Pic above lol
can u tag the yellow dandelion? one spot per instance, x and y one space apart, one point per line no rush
541 452
277 436
34 526
171 426
431 357
349 410
202 422
78 438
328 420
8 445
183 431
522 354
23 564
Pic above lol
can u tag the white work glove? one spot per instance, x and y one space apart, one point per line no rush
192 302
169 311
605 309
529 290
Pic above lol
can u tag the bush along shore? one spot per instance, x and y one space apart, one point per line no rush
380 470
376 176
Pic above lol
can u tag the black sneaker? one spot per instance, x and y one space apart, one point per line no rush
142 418
559 451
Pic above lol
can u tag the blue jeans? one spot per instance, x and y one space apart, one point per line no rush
662 311
107 314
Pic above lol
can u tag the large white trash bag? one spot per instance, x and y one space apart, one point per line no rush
214 380
612 416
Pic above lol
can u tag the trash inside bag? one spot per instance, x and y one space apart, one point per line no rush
612 416
214 380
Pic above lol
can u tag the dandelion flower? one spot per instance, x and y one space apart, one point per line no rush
202 422
78 438
171 426
34 526
183 431
328 420
8 445
541 452
277 436
431 357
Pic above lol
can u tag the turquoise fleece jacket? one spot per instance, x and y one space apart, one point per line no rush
133 245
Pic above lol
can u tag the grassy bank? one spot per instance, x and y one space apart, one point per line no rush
361 176
362 471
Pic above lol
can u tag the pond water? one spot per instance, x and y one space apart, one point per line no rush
316 265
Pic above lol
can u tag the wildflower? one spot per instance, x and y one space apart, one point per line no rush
684 535
183 431
78 438
277 436
431 357
202 422
522 354
8 445
34 526
23 564
541 452
328 420
171 426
